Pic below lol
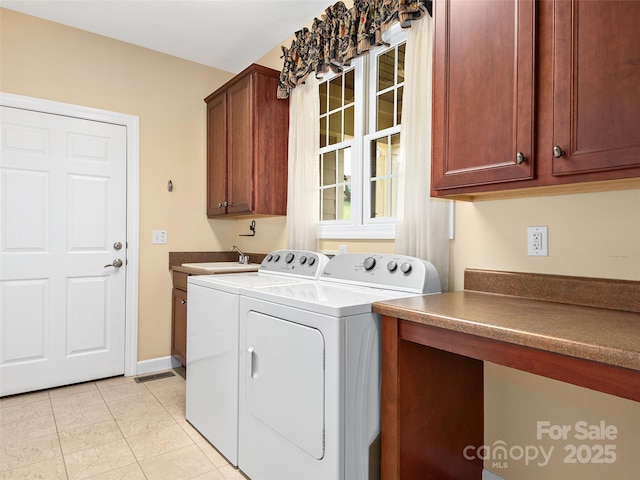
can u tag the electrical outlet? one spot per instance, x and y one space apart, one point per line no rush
159 237
538 241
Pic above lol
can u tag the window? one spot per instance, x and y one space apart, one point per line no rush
360 123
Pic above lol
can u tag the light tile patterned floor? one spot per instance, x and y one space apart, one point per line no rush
106 430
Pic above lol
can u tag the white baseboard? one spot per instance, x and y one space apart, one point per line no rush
157 365
487 475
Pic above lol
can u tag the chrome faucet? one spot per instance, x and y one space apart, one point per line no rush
242 258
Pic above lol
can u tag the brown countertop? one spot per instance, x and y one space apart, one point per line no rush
597 334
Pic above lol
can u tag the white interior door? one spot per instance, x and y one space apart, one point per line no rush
62 215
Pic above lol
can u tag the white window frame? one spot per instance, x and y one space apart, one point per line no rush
361 226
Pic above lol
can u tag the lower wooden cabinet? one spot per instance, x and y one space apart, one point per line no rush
179 318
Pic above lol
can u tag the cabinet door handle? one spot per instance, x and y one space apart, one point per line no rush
183 302
520 158
558 152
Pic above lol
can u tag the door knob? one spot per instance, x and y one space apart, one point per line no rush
117 263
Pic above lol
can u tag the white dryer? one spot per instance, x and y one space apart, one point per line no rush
310 369
212 341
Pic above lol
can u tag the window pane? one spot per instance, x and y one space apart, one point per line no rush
385 110
399 111
322 90
328 166
379 194
323 131
349 123
335 127
394 197
401 50
379 158
386 69
349 82
395 154
344 204
335 93
328 203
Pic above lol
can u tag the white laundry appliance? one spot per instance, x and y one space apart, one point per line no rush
212 341
310 369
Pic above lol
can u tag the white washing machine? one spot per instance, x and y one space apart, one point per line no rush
310 369
212 341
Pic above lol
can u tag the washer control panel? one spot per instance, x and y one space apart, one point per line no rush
298 263
385 271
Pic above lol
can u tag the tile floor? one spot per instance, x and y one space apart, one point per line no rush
106 430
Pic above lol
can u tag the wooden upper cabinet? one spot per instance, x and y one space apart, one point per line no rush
483 92
596 122
247 144
555 80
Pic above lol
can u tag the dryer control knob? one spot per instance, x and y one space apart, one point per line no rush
369 263
289 258
392 266
303 259
312 260
276 257
269 258
405 267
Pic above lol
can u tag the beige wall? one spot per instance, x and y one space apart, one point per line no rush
47 60
595 234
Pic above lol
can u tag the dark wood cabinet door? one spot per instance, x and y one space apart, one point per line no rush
217 155
179 326
596 120
483 96
240 137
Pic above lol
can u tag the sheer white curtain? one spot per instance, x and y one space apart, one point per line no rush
303 184
422 224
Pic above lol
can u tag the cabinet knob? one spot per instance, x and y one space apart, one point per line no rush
520 158
558 152
183 302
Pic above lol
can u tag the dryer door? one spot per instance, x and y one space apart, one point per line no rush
285 380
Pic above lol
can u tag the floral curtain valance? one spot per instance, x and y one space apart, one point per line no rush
342 34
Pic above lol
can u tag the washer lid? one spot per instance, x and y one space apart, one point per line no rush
324 298
234 282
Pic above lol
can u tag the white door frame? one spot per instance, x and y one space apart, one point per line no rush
132 124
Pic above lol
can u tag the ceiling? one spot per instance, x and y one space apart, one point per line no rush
225 34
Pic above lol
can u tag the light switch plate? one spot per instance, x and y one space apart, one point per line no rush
159 237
